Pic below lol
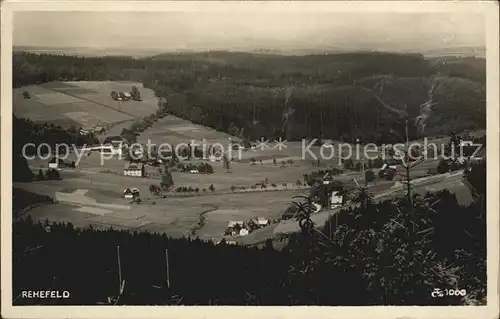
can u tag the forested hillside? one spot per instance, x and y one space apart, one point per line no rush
330 96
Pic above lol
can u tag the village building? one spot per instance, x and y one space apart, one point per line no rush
262 222
98 129
134 169
244 232
55 162
234 227
335 200
131 193
84 131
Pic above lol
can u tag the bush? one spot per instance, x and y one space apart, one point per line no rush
443 167
53 174
369 176
390 174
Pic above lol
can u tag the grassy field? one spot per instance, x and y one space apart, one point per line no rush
84 104
174 130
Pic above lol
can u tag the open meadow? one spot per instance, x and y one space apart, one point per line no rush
81 104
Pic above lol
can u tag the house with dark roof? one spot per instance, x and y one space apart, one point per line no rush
134 169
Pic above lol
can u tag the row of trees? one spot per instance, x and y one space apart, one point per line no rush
135 95
26 131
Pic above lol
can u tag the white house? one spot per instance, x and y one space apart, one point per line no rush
98 129
130 193
55 162
244 232
327 179
262 222
335 200
134 169
231 227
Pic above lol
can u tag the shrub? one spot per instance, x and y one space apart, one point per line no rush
443 167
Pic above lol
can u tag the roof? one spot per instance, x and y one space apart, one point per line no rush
233 223
262 220
134 166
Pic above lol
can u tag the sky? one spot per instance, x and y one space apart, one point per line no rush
172 31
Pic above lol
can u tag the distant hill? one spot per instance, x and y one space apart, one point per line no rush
457 52
301 51
85 51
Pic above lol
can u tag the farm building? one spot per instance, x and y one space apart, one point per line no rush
98 129
55 162
335 200
262 222
131 193
244 232
236 228
134 169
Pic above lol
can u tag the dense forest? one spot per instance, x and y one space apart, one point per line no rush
25 131
336 96
382 253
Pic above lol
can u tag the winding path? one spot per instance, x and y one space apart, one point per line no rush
201 221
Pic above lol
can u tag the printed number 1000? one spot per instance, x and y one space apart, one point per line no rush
448 292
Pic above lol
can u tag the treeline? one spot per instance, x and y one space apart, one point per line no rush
44 139
384 253
26 131
245 94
